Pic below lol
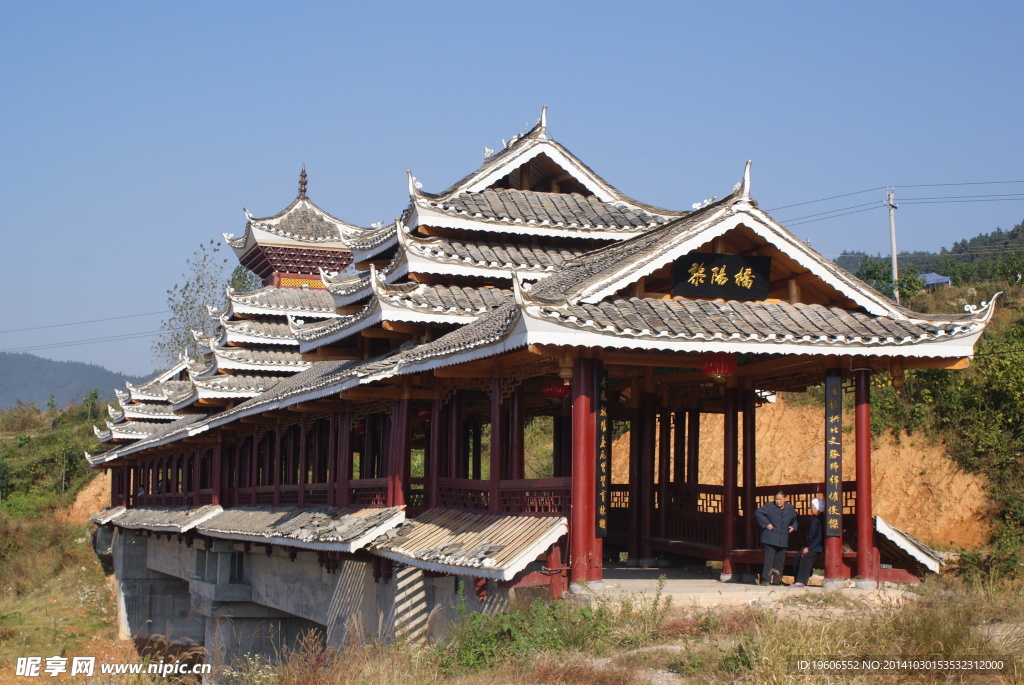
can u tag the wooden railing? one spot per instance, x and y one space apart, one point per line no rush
464 494
536 497
368 492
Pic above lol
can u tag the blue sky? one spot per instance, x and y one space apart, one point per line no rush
131 132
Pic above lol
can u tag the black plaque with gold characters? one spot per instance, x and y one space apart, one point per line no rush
833 455
604 455
729 276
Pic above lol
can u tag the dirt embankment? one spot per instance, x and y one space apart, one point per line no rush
915 485
92 498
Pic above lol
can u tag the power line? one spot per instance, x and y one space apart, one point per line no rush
835 197
954 197
833 211
89 341
973 183
856 211
78 323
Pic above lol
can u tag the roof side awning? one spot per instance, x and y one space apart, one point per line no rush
159 519
900 547
320 528
471 544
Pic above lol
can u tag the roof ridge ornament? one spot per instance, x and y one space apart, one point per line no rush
414 185
744 188
302 182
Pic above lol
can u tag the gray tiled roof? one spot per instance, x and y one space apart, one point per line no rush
367 239
141 429
272 299
592 266
270 331
445 299
494 255
746 321
261 357
148 409
317 524
562 210
234 384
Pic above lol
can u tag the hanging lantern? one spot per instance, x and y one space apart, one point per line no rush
359 427
424 413
555 389
718 365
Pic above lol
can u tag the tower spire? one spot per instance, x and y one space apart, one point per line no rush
302 182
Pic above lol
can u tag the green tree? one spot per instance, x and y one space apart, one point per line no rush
242 280
877 272
188 302
90 400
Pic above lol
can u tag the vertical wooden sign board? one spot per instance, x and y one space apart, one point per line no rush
603 456
833 455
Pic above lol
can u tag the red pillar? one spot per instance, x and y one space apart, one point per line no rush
398 455
750 536
197 464
343 457
497 444
636 444
865 525
515 427
584 545
303 461
436 456
649 421
693 447
215 481
679 448
731 457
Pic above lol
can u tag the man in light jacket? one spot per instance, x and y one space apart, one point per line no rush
777 520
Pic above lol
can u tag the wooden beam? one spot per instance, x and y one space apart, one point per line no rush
388 393
320 405
403 327
669 359
381 333
473 370
328 353
350 309
958 363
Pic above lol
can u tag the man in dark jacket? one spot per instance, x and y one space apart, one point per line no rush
815 544
777 520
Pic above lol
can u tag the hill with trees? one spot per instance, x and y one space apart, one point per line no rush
48 383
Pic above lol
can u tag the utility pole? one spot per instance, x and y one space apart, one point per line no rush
890 202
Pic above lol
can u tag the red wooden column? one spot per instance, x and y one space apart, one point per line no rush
332 459
731 457
123 480
515 427
498 430
215 476
455 436
679 447
584 545
693 448
645 505
866 566
343 457
398 450
436 456
197 465
276 461
750 536
254 476
303 461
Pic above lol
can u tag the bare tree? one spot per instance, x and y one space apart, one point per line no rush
203 287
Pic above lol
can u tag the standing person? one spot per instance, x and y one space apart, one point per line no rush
815 544
777 520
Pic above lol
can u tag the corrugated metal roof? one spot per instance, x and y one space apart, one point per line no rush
470 543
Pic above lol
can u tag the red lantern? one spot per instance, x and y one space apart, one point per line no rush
359 427
424 413
555 389
718 365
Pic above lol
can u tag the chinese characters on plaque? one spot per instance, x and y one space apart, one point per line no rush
730 276
833 455
604 455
